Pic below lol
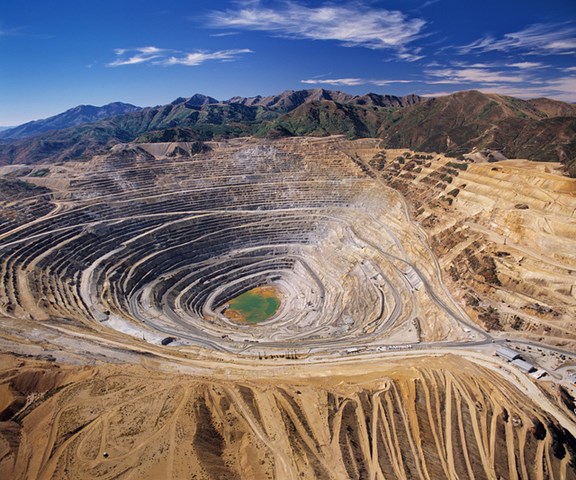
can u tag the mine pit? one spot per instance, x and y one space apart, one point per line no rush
154 245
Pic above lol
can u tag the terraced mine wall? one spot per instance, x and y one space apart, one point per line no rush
504 233
155 245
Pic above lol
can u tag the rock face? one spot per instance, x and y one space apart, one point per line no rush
504 233
186 234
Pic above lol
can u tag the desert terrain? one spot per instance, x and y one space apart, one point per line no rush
399 275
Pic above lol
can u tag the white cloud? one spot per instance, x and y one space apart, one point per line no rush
428 3
351 82
517 81
136 55
224 34
152 50
353 24
563 88
526 65
161 56
197 58
499 64
480 65
9 32
539 39
382 83
473 75
409 57
569 69
435 94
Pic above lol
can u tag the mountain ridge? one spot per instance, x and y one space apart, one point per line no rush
75 116
291 99
456 124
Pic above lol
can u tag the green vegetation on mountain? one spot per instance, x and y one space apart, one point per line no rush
331 118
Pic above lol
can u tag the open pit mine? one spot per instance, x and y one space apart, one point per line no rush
314 308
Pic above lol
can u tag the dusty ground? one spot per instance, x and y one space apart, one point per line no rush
440 417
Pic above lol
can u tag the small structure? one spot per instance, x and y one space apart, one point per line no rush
507 354
523 365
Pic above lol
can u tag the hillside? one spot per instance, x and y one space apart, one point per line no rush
464 122
425 418
538 129
203 118
292 99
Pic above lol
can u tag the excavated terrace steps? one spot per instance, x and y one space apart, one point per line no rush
164 243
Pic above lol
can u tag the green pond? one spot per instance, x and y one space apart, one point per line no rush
254 306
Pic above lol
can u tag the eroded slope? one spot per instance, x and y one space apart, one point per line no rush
423 418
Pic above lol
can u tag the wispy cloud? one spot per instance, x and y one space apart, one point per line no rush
473 75
7 33
351 82
10 32
197 58
526 65
135 56
224 34
569 69
353 25
428 3
562 88
163 56
410 57
539 39
22 31
435 94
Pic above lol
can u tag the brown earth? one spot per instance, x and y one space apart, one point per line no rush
423 418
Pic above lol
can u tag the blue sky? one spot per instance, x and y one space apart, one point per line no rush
62 53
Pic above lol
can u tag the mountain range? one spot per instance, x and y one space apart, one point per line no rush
70 118
539 129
